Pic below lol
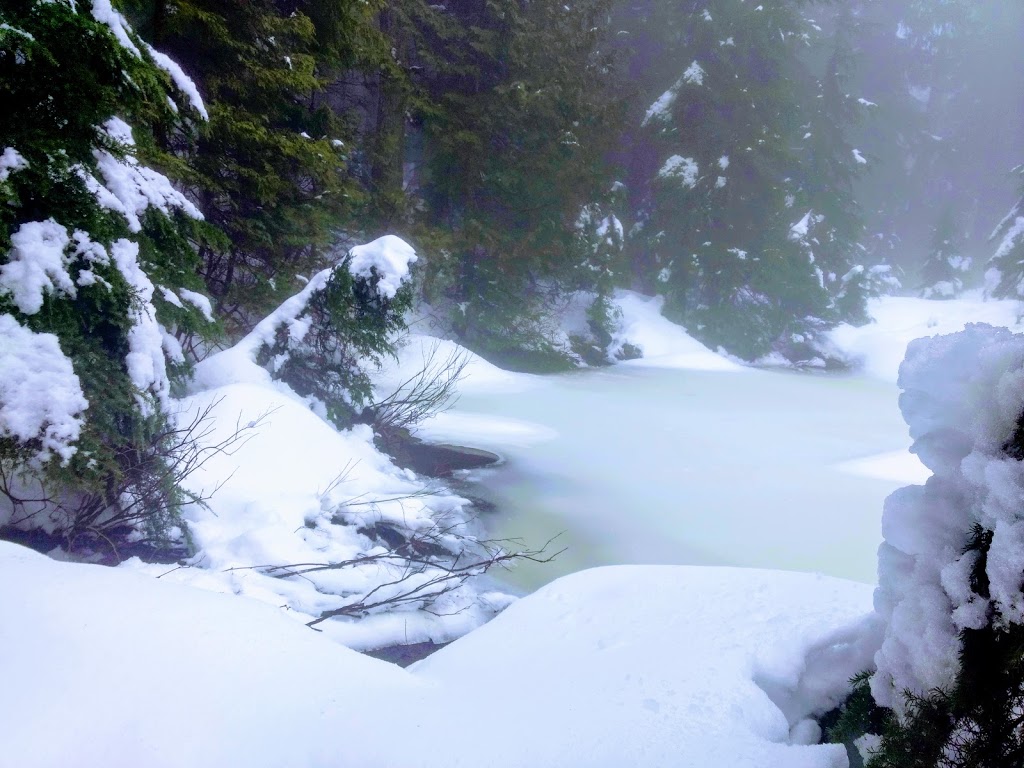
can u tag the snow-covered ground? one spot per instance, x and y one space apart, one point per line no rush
632 665
879 347
651 666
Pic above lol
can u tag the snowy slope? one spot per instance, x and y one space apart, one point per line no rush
878 348
652 666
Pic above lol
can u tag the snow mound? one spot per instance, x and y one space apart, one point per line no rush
879 347
652 666
664 344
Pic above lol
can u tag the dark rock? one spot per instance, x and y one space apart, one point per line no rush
434 459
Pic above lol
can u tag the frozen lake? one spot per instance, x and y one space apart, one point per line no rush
646 465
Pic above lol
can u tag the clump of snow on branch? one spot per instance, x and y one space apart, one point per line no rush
1012 237
180 79
661 109
683 168
40 396
199 301
388 257
130 188
145 360
37 265
799 230
11 161
963 395
104 13
694 74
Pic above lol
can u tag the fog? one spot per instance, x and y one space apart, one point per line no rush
948 126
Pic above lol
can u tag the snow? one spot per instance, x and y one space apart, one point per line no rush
664 344
682 168
1011 238
40 396
181 80
292 489
878 348
129 188
104 13
627 665
10 162
799 230
602 668
662 108
694 74
37 265
962 396
145 361
199 301
15 30
388 257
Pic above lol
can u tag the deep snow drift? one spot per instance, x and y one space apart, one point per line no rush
645 666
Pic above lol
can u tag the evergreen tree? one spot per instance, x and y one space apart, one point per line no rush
943 270
270 166
512 102
750 221
1006 267
940 109
96 269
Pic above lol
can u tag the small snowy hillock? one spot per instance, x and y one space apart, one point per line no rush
878 348
645 666
301 514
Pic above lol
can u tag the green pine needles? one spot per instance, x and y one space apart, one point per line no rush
95 256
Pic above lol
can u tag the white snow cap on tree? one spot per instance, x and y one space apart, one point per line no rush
390 256
963 396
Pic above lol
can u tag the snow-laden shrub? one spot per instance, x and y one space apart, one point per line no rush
951 568
96 273
321 341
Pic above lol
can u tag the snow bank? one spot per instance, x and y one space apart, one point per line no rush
879 347
652 666
962 397
664 344
416 351
291 490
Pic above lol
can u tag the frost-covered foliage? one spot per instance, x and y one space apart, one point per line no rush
951 569
89 231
